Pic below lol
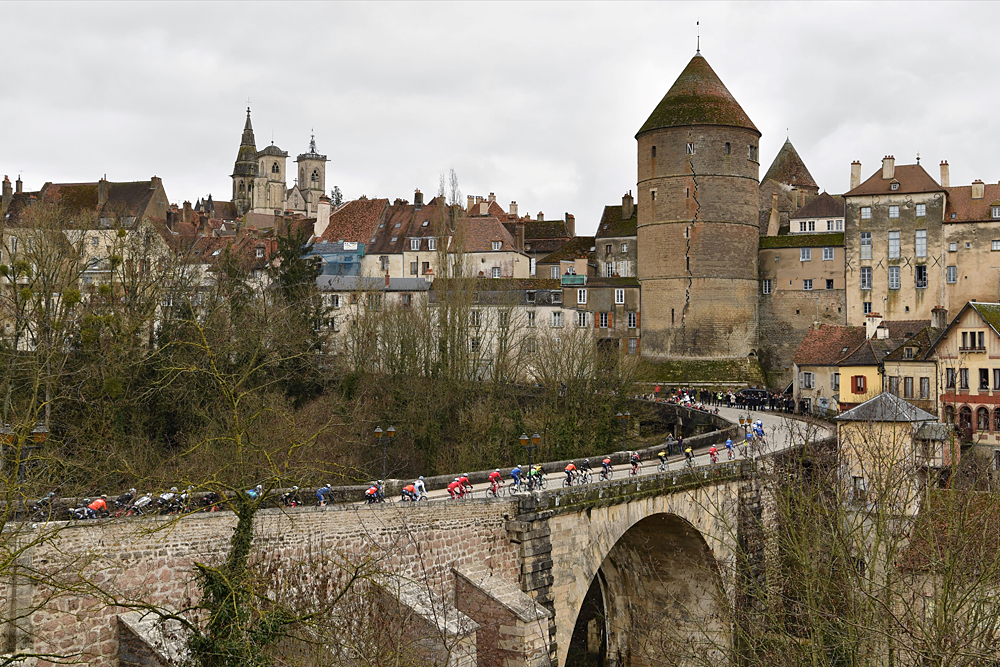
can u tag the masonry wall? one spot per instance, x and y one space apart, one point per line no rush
151 559
785 317
697 242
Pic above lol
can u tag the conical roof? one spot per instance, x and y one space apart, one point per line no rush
788 168
698 97
246 159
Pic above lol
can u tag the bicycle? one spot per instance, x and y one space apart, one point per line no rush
585 476
730 453
607 474
689 462
636 467
568 481
496 490
662 466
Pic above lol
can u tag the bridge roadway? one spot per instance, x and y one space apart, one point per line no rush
780 428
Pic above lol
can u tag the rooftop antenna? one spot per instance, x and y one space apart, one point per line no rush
697 25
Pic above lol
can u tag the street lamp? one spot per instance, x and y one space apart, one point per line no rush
623 419
389 434
534 440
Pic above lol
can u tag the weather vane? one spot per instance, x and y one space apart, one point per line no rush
697 25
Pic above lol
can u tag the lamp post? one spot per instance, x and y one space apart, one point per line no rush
534 440
623 420
388 434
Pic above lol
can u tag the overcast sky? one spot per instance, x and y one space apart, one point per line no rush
535 102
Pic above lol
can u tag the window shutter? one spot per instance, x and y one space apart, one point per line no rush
611 319
802 382
597 320
637 320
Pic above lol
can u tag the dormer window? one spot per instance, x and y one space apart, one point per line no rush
414 244
497 245
894 185
260 253
995 212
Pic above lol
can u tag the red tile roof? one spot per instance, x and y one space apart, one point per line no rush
356 220
911 178
480 233
967 209
828 344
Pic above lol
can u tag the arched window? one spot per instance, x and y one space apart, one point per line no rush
315 176
949 414
982 419
996 420
275 169
965 417
243 190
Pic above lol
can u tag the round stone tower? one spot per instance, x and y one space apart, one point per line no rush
698 221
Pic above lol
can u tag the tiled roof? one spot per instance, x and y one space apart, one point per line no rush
967 209
356 220
822 206
698 97
789 169
481 232
873 351
612 224
911 178
802 240
885 407
990 312
328 283
923 343
828 344
580 247
124 199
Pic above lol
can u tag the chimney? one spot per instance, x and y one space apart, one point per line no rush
492 198
154 182
872 322
102 192
418 199
323 210
888 167
855 174
939 316
469 202
541 216
945 174
882 332
7 193
484 208
519 235
513 209
18 186
186 212
571 225
628 206
978 189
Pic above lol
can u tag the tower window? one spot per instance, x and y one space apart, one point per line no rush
315 176
275 169
690 149
652 195
753 153
728 149
654 151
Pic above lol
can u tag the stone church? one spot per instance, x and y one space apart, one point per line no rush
260 184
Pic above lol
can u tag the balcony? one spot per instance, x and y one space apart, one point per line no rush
573 279
971 349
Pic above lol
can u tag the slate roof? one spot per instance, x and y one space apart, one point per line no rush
612 225
873 351
580 247
912 179
967 209
698 97
788 168
822 206
246 156
828 344
331 283
357 220
130 198
886 407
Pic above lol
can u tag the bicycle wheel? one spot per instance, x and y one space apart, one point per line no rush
567 482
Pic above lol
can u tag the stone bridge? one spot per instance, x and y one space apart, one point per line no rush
613 573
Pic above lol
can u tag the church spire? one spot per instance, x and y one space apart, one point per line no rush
246 158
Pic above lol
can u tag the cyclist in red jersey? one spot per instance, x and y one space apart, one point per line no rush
570 469
409 492
713 453
495 476
455 488
464 481
607 464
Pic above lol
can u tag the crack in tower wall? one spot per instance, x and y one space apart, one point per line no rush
687 244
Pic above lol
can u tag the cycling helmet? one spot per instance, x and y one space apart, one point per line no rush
104 496
497 470
421 477
173 489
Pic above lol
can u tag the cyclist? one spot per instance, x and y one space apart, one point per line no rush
538 476
99 505
371 495
729 449
419 487
466 485
515 474
634 460
410 492
713 453
455 489
689 456
585 470
662 455
324 494
570 469
606 464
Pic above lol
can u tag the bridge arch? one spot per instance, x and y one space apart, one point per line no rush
630 580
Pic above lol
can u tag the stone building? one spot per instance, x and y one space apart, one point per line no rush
260 182
697 226
616 242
